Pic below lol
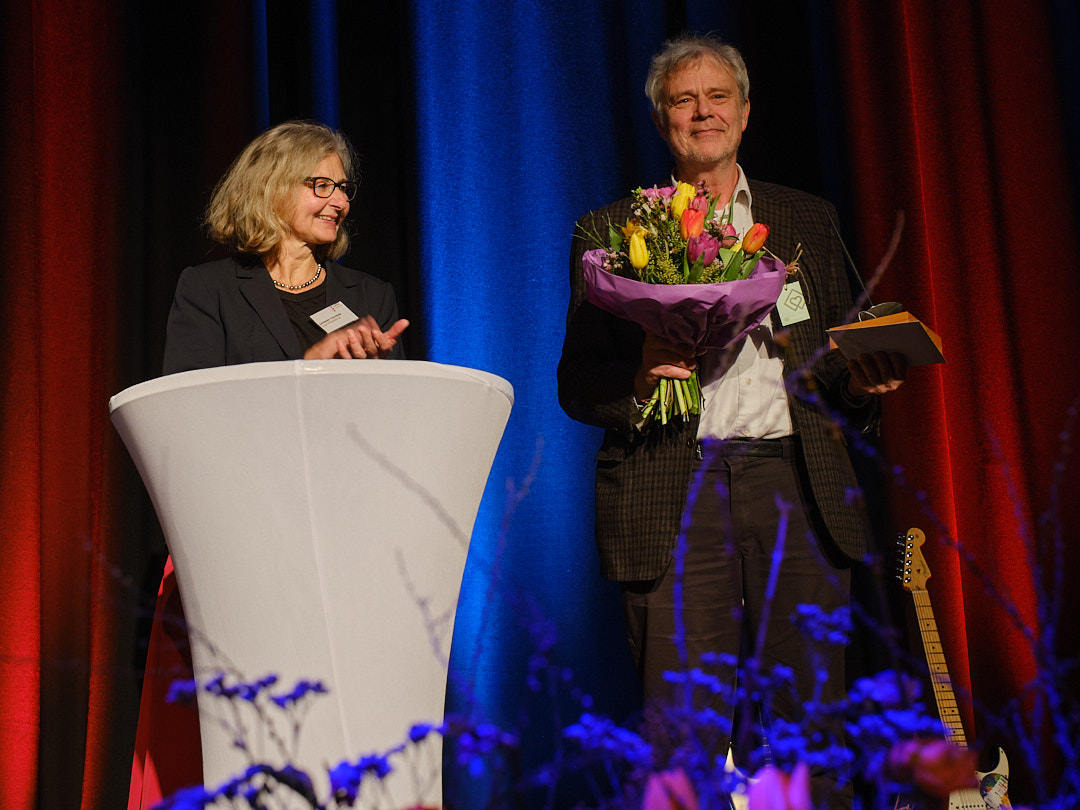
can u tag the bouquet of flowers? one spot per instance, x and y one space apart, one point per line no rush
678 269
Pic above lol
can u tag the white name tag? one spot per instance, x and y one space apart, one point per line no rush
334 317
792 304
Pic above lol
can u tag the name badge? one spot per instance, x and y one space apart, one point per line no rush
334 317
792 304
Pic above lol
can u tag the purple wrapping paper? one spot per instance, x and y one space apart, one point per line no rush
706 316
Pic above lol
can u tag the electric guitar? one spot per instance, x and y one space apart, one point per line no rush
993 784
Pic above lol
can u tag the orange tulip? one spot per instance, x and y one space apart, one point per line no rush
692 223
755 237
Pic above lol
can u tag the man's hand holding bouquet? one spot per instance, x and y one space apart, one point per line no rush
679 270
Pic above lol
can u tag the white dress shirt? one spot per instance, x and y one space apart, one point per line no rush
743 385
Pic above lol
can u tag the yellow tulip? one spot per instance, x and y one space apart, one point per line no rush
639 253
684 193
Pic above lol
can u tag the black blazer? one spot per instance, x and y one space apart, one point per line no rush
229 311
642 479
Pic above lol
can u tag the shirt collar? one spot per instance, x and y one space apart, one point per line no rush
741 195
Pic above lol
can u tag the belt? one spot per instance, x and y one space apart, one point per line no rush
758 448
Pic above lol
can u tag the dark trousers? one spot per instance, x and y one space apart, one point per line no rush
728 605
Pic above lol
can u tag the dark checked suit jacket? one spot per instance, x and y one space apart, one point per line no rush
228 311
642 479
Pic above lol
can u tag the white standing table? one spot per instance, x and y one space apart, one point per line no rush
318 514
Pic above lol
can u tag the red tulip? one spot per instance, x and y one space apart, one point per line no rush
934 766
692 223
755 237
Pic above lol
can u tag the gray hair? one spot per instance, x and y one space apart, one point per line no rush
689 49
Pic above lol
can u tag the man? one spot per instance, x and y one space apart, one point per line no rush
766 443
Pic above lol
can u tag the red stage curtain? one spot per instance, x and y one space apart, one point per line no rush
954 118
61 601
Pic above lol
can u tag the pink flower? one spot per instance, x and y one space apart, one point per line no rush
669 790
655 193
704 247
772 789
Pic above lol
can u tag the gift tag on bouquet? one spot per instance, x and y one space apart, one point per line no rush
792 304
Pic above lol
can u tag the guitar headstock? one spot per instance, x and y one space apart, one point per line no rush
914 572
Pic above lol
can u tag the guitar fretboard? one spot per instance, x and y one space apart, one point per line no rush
939 670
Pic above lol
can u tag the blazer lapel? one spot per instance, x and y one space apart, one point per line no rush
804 340
258 290
339 288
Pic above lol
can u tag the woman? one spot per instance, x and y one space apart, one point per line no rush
281 208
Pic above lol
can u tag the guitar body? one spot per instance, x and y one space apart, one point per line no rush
993 789
991 795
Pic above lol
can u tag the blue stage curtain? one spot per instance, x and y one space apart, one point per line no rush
324 62
527 118
260 65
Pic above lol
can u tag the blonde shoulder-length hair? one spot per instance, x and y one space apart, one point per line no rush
250 206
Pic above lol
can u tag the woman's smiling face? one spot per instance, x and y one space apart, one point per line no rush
315 220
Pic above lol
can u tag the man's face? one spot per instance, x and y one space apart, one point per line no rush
703 119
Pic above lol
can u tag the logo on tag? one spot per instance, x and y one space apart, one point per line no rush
792 304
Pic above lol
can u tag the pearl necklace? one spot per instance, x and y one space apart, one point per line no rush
308 283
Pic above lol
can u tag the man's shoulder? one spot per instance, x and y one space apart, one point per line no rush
773 203
773 192
616 212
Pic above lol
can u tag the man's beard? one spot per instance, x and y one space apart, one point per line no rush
710 157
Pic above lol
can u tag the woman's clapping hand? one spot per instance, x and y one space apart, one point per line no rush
359 340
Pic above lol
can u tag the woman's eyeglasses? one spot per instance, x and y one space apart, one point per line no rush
324 186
